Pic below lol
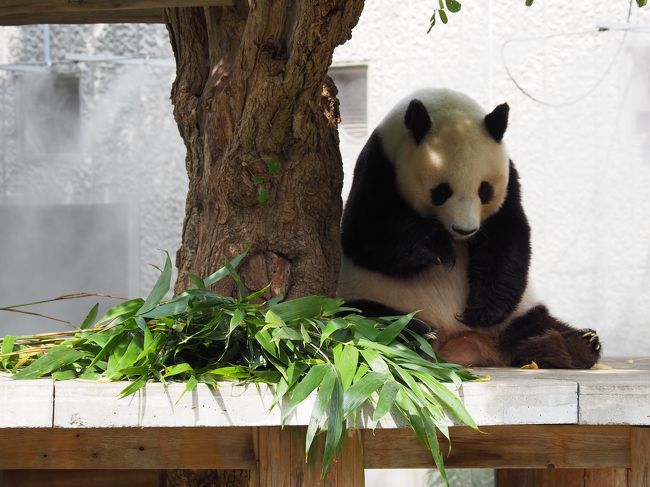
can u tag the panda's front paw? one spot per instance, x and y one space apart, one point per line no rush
447 259
443 253
480 316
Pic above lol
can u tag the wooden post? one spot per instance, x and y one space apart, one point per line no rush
639 457
281 460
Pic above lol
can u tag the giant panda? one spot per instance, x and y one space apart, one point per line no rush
434 222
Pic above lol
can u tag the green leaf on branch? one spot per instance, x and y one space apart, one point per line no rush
56 359
453 6
160 289
90 317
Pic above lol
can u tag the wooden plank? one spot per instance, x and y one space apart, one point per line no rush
562 478
148 16
281 460
87 478
21 12
540 478
30 6
640 457
558 446
127 448
26 404
602 477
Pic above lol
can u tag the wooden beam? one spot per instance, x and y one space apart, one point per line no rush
147 16
537 446
22 12
87 478
127 448
555 446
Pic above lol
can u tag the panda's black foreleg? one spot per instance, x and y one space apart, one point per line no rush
499 256
539 337
373 309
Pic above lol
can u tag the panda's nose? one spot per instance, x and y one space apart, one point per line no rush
462 231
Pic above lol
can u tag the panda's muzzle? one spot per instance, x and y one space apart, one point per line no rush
461 232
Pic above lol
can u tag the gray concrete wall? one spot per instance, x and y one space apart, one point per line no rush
129 152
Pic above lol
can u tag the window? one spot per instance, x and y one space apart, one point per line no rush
352 83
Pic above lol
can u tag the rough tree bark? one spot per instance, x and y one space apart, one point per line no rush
251 87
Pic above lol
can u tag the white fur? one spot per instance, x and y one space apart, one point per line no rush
457 150
439 294
441 104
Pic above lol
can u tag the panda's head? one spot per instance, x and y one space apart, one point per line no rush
449 158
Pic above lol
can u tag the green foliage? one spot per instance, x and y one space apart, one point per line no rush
453 6
300 347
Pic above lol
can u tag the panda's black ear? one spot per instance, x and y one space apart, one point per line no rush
496 121
417 120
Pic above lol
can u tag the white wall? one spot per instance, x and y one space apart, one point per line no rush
585 173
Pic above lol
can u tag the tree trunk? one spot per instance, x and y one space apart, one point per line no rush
259 117
251 90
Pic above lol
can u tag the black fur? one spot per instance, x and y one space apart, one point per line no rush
379 230
499 256
417 120
496 121
538 336
372 309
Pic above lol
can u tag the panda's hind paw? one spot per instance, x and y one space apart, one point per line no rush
585 347
591 337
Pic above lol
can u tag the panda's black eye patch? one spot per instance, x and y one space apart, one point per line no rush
440 194
485 192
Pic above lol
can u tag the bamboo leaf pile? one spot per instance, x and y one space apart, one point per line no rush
310 345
